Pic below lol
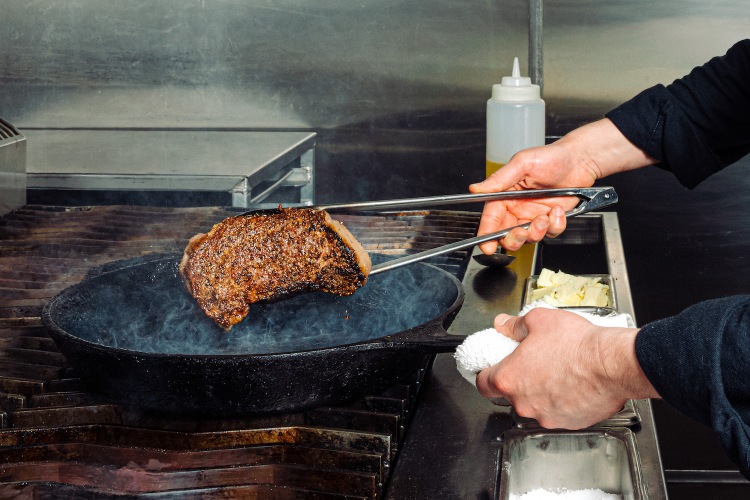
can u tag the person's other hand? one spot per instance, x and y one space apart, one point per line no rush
567 373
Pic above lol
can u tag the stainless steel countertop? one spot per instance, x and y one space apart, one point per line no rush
452 449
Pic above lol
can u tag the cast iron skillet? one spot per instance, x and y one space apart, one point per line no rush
132 333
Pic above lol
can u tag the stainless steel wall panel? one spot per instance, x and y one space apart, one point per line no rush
395 89
214 63
599 54
325 63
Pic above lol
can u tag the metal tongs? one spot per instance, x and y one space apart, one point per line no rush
592 198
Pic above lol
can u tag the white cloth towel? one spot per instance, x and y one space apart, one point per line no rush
482 350
488 347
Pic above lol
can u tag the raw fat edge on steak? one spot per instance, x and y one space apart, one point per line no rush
268 256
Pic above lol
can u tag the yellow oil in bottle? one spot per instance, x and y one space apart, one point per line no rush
524 256
491 167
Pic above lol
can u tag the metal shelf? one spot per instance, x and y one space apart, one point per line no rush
241 163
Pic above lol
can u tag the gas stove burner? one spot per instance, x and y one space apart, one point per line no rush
51 426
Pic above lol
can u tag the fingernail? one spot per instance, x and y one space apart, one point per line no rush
501 319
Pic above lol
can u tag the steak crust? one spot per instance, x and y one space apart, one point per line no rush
268 256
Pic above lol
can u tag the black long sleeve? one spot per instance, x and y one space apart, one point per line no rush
697 125
699 360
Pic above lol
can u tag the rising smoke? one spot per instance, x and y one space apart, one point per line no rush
146 308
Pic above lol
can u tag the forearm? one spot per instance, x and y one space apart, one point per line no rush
618 365
603 149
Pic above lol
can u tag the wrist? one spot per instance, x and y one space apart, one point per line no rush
603 149
618 366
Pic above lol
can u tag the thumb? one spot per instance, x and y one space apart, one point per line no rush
501 180
511 326
492 184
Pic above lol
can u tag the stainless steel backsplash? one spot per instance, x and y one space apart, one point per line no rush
396 89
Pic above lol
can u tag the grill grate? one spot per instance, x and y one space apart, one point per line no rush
59 440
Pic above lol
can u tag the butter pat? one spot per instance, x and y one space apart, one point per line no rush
560 289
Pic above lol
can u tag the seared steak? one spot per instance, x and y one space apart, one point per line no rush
271 255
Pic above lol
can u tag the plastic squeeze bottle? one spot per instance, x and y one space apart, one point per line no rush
515 118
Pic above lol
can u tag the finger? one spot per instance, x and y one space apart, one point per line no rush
501 180
557 222
538 229
528 208
500 321
515 239
489 247
493 219
484 383
511 326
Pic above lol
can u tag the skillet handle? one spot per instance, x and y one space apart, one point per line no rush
429 338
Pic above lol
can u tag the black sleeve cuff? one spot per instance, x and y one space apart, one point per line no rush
697 125
656 124
699 362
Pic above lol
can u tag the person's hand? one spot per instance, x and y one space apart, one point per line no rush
576 160
567 373
542 167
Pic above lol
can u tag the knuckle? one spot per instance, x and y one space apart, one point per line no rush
523 410
535 315
548 423
504 386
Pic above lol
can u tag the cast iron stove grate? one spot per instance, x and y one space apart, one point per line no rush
59 441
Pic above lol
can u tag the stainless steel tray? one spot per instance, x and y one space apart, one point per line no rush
605 459
627 417
605 278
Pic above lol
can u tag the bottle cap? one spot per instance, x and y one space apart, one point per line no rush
515 87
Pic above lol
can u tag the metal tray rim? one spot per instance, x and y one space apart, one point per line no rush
624 434
606 278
